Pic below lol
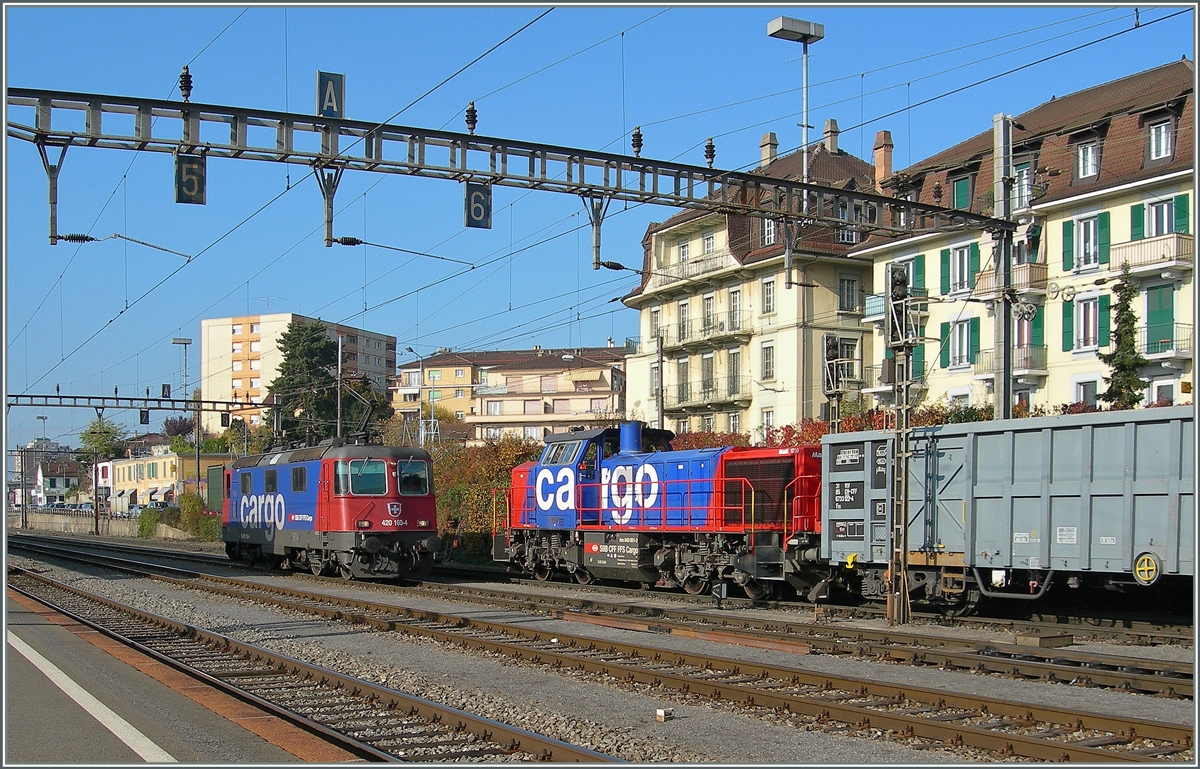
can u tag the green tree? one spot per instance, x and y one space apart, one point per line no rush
360 400
1125 387
105 437
181 445
305 390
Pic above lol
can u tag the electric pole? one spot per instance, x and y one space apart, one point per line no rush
1002 239
900 331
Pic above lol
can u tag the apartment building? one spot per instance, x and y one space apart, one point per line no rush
158 477
549 392
1101 178
724 338
240 357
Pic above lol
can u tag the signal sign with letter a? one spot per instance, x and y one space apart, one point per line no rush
479 206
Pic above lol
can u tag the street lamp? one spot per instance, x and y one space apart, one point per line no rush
787 28
420 405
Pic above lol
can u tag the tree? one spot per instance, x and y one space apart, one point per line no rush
173 426
305 390
356 395
1125 387
105 437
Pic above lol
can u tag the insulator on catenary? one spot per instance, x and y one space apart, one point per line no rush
185 83
75 237
472 117
637 141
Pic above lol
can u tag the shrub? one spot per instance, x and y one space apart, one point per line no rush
147 522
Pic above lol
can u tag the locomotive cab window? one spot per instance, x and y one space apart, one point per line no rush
246 485
561 453
360 476
412 477
271 481
299 478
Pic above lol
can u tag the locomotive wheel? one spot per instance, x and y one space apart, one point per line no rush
583 577
695 585
316 567
965 607
757 590
541 572
345 572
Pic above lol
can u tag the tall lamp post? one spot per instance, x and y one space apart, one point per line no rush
184 341
787 28
420 404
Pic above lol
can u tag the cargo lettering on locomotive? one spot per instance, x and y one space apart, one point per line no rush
628 489
263 511
555 493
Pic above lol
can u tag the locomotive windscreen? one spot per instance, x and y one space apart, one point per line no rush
767 479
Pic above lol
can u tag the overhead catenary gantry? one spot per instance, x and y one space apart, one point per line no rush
331 146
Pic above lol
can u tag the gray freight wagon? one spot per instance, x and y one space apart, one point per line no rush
1006 508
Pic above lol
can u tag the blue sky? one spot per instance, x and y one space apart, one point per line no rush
682 73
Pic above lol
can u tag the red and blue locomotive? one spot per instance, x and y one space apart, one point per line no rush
619 504
353 510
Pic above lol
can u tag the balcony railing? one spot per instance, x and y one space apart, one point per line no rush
692 268
874 305
1027 359
722 389
1165 340
873 376
491 390
1150 254
1025 277
724 325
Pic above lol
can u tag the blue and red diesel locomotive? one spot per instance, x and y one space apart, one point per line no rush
354 510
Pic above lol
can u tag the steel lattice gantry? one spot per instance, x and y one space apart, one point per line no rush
330 146
101 402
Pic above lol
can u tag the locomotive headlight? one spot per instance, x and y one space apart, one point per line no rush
363 524
423 524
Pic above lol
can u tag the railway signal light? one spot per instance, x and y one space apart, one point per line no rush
832 385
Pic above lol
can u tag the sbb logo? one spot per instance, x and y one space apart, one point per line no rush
628 488
593 547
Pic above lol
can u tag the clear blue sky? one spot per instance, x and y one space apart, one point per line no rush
682 73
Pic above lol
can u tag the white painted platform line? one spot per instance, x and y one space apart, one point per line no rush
124 731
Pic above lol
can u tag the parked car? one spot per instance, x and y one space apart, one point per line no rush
135 511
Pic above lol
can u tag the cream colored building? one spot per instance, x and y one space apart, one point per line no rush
1102 177
240 357
160 477
742 351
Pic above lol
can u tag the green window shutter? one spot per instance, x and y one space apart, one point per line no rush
1105 236
918 366
1068 245
974 263
919 271
887 353
1035 241
974 348
1104 324
945 271
1137 221
1068 316
1037 335
944 358
1182 209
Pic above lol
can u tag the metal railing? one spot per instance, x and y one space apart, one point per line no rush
701 265
873 376
1165 339
721 389
1025 358
1025 277
1152 252
874 305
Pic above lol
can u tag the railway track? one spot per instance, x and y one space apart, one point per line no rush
831 702
370 721
892 645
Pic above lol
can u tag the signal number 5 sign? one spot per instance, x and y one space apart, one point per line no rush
189 179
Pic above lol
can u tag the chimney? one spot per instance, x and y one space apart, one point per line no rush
768 145
831 135
883 157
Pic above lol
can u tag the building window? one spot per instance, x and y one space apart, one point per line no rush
237 329
655 378
1162 217
683 250
237 365
847 359
708 382
710 312
1022 185
710 243
734 359
962 192
460 393
1087 323
459 415
1160 140
682 426
1086 160
960 268
237 347
255 346
768 296
1088 243
410 397
655 323
255 365
768 232
352 340
1163 394
254 383
735 309
1085 392
735 422
768 418
548 384
435 395
683 322
236 384
562 406
533 433
414 378
598 405
708 423
435 375
768 361
533 407
255 328
847 294
960 343
491 433
683 387
495 408
376 343
459 373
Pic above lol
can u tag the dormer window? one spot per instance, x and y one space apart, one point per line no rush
962 193
768 232
1087 159
1161 144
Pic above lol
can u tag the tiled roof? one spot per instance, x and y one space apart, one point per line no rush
493 358
555 362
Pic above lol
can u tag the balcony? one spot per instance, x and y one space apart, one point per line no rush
1026 279
698 395
880 378
1028 360
692 268
1165 341
722 327
1152 256
491 390
874 305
